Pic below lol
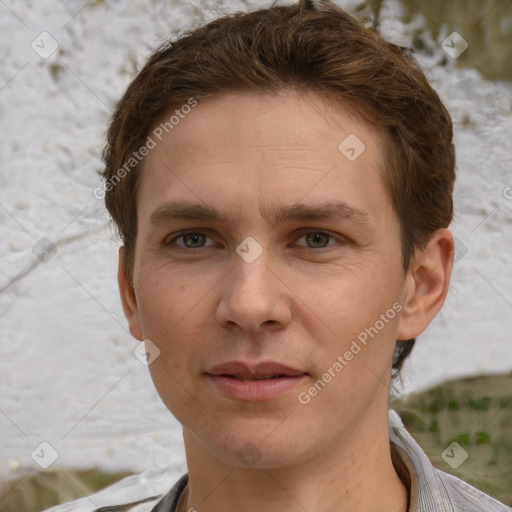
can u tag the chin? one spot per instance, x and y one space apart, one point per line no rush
261 445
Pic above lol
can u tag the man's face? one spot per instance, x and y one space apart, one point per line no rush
322 267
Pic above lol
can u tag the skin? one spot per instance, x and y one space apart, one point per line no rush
302 302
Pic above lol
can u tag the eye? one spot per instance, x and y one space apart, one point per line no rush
318 239
190 240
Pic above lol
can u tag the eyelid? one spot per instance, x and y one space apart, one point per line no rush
337 237
171 239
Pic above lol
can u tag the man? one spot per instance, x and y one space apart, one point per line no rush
282 183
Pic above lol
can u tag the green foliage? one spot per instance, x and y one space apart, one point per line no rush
482 438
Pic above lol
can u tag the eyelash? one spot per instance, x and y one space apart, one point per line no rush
314 232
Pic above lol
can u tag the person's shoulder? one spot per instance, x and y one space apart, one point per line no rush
430 488
91 504
468 498
145 505
136 493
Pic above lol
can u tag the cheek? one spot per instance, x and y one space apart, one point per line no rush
166 308
163 299
354 315
175 312
351 297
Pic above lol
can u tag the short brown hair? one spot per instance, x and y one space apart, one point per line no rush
309 46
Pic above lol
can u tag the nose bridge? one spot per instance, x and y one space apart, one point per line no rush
251 267
252 297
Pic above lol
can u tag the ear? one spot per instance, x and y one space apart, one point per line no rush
427 283
128 298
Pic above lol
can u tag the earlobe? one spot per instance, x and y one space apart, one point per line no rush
128 298
427 284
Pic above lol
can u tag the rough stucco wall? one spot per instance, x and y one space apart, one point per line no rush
68 375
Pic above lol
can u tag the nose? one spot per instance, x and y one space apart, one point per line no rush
254 296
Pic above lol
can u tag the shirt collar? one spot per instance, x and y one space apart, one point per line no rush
427 493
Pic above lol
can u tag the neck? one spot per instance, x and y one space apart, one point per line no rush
357 474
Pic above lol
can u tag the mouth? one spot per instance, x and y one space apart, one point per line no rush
261 382
261 371
256 378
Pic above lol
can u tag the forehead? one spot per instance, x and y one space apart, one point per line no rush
288 121
255 149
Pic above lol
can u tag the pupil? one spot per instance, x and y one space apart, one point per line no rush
316 239
193 239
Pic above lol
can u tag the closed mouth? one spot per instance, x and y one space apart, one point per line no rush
259 377
260 371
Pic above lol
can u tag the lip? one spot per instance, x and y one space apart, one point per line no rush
252 372
253 383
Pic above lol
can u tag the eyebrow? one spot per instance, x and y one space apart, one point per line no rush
339 210
184 210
